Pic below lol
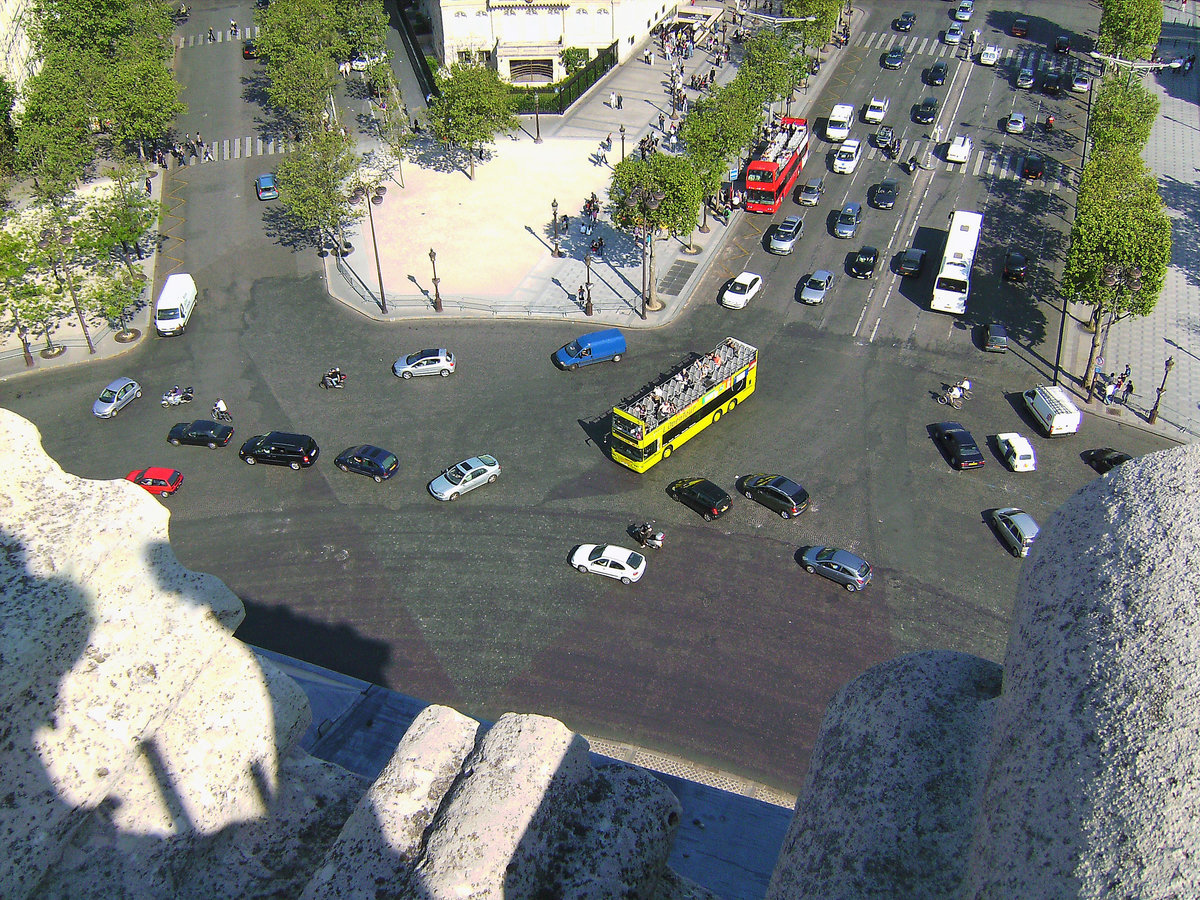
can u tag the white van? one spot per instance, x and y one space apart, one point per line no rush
175 304
840 120
959 150
1053 409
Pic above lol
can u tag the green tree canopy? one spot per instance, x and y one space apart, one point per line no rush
474 106
818 32
119 218
312 183
54 144
139 101
299 26
301 83
8 131
363 24
771 65
1122 114
1130 29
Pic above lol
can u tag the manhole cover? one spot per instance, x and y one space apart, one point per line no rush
676 278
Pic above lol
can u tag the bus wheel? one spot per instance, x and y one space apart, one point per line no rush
732 404
666 451
716 417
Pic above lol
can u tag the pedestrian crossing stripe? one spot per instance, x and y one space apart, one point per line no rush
220 37
1004 165
243 148
1026 57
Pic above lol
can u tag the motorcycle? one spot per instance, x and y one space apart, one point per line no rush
334 378
175 396
646 536
1049 123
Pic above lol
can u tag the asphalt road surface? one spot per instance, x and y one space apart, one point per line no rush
727 651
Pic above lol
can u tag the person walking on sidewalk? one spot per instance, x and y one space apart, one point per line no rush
1127 391
620 102
612 99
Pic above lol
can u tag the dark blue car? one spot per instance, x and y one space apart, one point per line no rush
374 462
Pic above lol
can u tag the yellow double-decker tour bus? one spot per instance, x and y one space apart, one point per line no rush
673 410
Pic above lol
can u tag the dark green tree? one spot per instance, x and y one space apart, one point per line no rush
140 98
474 106
8 132
313 184
363 24
121 217
311 26
54 142
1130 29
771 66
14 281
301 84
817 33
1120 224
1123 113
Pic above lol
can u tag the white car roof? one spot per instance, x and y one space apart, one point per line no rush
1017 441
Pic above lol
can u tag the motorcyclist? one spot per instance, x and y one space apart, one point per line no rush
1049 122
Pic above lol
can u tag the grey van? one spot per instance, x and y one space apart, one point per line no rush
848 221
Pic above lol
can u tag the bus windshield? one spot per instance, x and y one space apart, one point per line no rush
954 285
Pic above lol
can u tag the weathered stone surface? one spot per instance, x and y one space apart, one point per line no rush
1082 778
887 807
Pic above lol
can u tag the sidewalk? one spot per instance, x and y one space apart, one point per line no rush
1171 330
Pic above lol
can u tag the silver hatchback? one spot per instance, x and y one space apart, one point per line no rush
786 234
424 362
116 397
848 221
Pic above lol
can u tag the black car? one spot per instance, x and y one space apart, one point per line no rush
885 193
280 448
864 262
912 262
249 50
964 453
701 495
894 58
1105 459
777 493
1014 266
374 462
201 433
1062 44
1053 84
927 111
1034 167
937 73
906 21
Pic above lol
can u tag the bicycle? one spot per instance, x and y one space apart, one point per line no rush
964 387
949 397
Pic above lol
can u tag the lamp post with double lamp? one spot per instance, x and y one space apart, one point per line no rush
1117 278
588 308
1162 389
374 196
554 222
622 143
644 202
437 294
64 234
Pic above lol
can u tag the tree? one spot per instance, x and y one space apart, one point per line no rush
299 26
14 266
1122 114
474 106
1130 29
122 216
8 132
300 84
140 97
770 66
818 32
714 130
363 24
1120 225
54 144
312 184
111 296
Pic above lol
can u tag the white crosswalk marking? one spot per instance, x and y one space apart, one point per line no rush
884 38
978 162
924 44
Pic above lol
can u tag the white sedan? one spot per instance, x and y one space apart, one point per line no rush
466 476
741 291
610 560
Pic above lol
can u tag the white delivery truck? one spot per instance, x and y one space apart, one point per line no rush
175 304
1051 406
840 120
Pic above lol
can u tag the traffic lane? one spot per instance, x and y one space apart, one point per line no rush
224 92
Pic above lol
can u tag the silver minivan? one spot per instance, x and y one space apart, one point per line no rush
848 221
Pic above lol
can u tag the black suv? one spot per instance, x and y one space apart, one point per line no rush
279 448
701 495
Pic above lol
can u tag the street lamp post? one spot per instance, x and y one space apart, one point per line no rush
645 202
1162 389
588 308
437 294
554 222
622 143
375 198
48 242
537 119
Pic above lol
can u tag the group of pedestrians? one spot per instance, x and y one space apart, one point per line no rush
1114 384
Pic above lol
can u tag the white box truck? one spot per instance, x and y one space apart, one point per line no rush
175 304
840 120
1051 406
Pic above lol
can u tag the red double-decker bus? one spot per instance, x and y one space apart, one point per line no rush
773 171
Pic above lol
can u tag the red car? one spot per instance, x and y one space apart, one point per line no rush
157 480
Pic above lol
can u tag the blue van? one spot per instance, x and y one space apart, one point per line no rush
595 347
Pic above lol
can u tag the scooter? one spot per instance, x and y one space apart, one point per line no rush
335 378
174 396
645 535
1049 123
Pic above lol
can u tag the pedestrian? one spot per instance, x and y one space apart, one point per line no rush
648 55
1128 372
199 140
662 122
608 142
148 188
211 36
566 223
1109 389
612 99
187 141
1128 390
620 102
208 154
580 295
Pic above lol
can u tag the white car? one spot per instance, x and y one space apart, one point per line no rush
1015 123
1016 451
424 362
964 11
959 150
741 291
465 476
607 559
876 110
1081 84
954 33
847 157
989 56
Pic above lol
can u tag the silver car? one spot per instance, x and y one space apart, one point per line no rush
816 288
810 194
848 221
116 397
1025 78
786 234
424 362
1015 123
465 476
1016 528
848 569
